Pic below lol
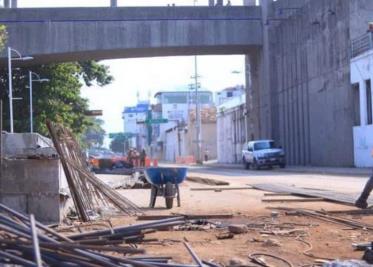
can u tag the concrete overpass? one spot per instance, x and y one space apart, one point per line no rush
68 34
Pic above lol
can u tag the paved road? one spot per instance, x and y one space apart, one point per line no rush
246 201
340 183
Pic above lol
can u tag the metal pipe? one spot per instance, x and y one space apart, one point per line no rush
193 254
10 93
17 260
35 241
137 227
31 115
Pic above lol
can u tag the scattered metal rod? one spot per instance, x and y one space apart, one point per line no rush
254 258
218 189
35 241
185 216
193 254
130 230
328 218
18 233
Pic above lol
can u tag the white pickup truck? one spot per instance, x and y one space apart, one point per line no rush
256 154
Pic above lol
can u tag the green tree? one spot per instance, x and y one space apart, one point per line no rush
58 100
3 36
94 135
118 142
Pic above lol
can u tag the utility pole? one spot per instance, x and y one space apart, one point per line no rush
113 3
198 113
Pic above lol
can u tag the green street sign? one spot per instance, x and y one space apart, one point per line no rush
125 135
156 121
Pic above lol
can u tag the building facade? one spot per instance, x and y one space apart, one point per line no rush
361 80
228 94
231 130
299 83
173 137
134 123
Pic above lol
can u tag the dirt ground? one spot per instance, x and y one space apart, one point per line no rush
298 239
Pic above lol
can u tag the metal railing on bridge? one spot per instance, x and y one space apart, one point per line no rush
362 44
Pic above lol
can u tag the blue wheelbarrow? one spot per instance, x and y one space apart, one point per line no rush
165 182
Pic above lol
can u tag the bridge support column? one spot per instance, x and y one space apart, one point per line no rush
211 2
14 3
6 3
113 3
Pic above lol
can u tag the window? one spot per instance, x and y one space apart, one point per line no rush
369 102
229 94
264 145
356 99
175 99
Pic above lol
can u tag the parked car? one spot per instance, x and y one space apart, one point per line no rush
256 154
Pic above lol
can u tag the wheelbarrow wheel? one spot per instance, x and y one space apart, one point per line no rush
169 195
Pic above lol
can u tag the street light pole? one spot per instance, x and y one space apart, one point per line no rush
10 50
10 89
31 109
30 73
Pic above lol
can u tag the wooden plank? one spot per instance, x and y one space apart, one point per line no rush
207 181
219 189
187 216
277 194
316 199
341 198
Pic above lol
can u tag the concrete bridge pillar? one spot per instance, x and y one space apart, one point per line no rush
7 3
14 3
211 2
219 2
113 3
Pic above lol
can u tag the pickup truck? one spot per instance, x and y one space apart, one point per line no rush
256 154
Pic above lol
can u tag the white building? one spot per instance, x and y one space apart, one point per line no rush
229 93
231 130
362 79
175 106
133 122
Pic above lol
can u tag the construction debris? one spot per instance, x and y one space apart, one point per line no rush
238 229
345 199
326 217
26 242
350 263
185 216
87 191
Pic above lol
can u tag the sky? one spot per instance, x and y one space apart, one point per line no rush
146 76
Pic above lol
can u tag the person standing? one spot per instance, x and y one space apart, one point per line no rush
362 201
142 158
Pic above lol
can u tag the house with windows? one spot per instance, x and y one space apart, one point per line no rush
176 138
133 123
361 80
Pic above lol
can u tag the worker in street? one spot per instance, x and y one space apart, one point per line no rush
130 156
362 201
142 158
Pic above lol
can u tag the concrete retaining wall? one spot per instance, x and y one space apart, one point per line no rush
31 185
307 107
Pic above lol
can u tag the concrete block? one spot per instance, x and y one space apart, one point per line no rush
17 202
45 208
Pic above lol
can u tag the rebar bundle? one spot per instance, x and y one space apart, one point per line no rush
26 242
87 191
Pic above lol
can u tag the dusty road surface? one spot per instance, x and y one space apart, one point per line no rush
298 239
